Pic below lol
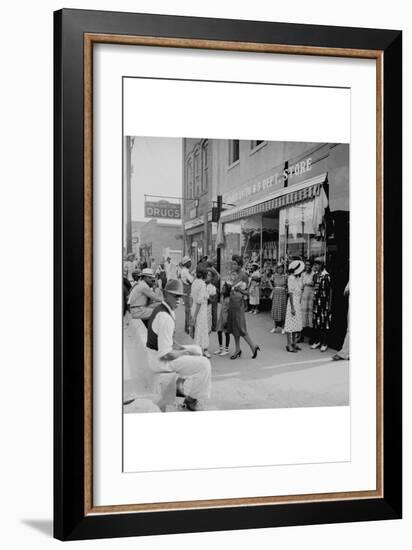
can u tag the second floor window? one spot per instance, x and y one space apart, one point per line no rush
233 151
255 143
189 190
205 167
197 173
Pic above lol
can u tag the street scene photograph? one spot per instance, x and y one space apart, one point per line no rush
235 274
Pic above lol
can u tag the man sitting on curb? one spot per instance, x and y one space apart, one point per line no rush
193 370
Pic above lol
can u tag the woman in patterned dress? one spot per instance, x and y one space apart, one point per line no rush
307 302
321 305
236 321
279 297
293 320
200 297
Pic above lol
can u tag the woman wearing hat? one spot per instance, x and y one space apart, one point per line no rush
322 294
293 320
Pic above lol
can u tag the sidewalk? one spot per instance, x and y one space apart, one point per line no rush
276 378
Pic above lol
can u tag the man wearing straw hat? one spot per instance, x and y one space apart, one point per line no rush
165 355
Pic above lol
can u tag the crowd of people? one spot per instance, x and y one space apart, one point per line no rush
300 294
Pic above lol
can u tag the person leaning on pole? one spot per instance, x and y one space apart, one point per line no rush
187 279
165 355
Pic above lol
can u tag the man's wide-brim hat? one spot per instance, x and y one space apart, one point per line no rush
174 286
319 260
297 266
147 272
186 260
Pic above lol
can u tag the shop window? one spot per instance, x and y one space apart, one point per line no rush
244 238
277 236
233 237
233 151
255 143
197 173
205 167
189 172
298 239
196 247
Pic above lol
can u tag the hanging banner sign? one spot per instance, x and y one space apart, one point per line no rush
162 209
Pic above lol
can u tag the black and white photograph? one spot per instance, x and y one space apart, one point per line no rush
235 268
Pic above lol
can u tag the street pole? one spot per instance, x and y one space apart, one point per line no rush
129 142
218 251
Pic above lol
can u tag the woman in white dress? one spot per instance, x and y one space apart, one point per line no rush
199 296
293 321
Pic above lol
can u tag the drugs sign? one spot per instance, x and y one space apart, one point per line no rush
162 209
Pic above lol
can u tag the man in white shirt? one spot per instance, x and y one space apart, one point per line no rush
170 268
187 280
142 298
192 368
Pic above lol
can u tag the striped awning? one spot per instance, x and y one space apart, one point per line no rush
286 196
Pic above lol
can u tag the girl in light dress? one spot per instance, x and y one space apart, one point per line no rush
199 321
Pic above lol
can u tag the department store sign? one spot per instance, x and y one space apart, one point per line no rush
269 183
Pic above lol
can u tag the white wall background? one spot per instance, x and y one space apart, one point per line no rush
26 144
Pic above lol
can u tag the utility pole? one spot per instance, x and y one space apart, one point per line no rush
218 251
128 177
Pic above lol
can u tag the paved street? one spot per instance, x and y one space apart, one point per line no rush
274 379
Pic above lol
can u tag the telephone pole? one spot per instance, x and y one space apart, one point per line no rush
128 182
218 251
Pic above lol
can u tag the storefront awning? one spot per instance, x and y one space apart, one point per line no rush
286 196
